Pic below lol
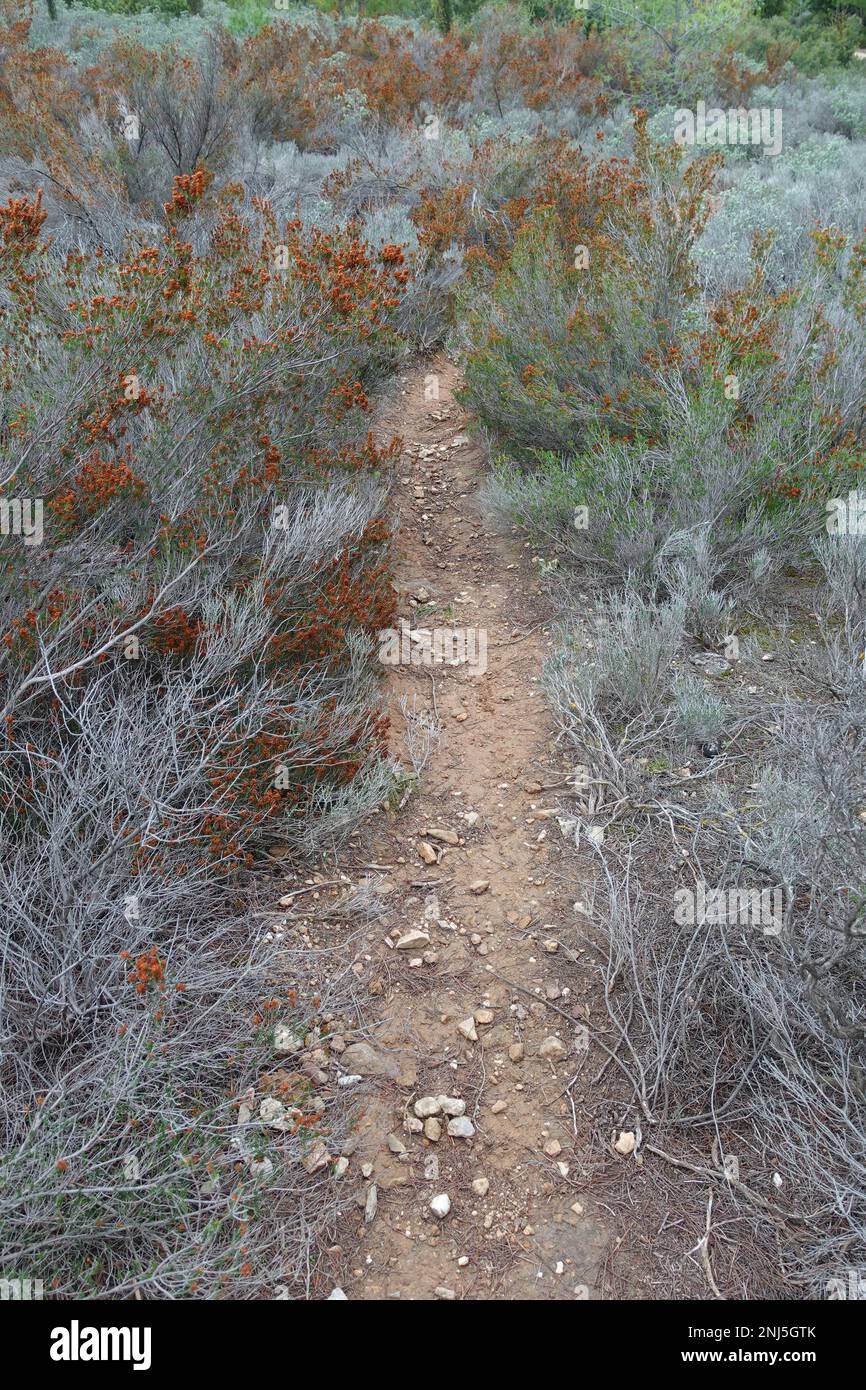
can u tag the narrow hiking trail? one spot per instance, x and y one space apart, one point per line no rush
522 1222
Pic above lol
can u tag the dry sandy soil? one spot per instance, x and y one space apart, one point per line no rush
486 808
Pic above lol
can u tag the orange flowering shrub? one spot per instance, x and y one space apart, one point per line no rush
592 293
194 560
182 472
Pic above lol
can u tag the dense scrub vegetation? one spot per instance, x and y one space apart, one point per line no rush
217 240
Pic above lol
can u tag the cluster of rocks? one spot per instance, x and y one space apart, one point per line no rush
426 1118
327 1058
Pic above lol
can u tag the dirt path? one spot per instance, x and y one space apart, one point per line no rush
534 1232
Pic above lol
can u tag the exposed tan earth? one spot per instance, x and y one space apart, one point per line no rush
485 1008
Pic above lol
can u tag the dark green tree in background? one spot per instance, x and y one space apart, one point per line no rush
443 15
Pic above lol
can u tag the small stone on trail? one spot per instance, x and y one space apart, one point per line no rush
441 1205
467 1028
481 1186
626 1142
451 1105
551 1047
447 837
413 940
461 1127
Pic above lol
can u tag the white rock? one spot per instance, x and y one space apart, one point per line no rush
412 940
271 1109
372 1203
341 1167
318 1157
441 1205
427 1105
286 1041
626 1142
448 1294
461 1127
261 1167
336 1296
551 1047
349 1080
481 1186
467 1028
451 1105
447 837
